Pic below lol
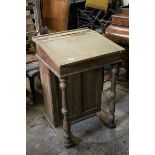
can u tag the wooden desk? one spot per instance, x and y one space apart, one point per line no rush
72 68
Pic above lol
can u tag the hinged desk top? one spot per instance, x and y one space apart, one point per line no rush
65 49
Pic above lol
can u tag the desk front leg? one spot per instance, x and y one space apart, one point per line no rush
66 124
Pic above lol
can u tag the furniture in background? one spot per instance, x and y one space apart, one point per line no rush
105 20
99 17
93 9
72 76
60 15
33 28
74 4
118 32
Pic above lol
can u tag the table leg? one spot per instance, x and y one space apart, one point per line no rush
108 117
66 124
31 79
111 122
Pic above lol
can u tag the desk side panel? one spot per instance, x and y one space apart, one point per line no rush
46 60
83 95
47 95
91 90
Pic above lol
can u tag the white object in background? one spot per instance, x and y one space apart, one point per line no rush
125 2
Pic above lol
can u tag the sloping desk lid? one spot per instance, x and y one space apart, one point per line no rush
73 46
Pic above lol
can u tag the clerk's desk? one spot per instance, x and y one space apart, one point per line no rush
72 71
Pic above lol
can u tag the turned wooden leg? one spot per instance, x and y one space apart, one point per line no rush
111 122
66 124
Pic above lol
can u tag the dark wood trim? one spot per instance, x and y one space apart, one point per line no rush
90 64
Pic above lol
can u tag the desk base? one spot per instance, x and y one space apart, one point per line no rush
59 133
109 118
104 117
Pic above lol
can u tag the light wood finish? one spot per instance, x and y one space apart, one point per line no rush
73 85
45 80
76 46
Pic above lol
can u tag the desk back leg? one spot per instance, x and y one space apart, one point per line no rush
111 122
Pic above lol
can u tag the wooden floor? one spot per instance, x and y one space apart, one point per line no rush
94 138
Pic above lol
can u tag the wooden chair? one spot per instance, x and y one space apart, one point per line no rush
93 10
100 14
106 19
33 28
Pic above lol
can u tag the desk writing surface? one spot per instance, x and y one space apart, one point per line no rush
75 46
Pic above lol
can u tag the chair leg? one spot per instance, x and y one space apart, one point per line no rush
31 79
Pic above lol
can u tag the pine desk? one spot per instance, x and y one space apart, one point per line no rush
72 71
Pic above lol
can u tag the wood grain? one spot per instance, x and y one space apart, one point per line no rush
45 80
55 14
83 95
83 75
77 46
